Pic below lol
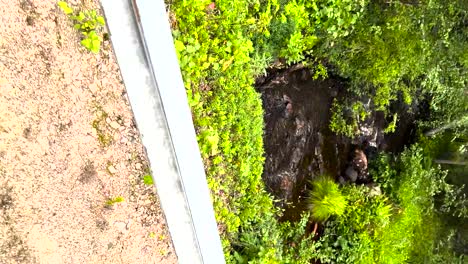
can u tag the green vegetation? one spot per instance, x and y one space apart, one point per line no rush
148 179
89 23
399 226
112 201
326 199
408 52
214 47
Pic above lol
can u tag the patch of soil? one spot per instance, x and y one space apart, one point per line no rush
68 145
299 144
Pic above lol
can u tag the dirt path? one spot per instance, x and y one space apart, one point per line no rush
68 146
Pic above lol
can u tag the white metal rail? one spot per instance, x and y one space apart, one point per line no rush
143 45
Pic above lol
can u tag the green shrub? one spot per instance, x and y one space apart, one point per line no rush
326 199
387 50
214 50
89 23
340 122
409 51
400 226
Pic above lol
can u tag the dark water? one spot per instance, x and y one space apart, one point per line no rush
298 142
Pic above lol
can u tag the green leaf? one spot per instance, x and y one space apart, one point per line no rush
80 17
86 43
179 45
96 44
148 180
65 8
100 20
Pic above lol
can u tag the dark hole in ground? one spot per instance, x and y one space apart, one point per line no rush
298 142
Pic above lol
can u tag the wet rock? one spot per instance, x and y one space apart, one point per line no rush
298 142
375 191
341 180
351 174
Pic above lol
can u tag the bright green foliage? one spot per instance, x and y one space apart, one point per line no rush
112 201
221 46
352 238
214 47
326 199
65 7
392 126
411 232
89 23
341 123
292 30
148 179
403 228
388 51
91 41
407 51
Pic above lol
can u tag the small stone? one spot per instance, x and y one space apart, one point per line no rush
112 169
341 180
114 125
108 120
121 226
93 88
351 174
375 191
138 166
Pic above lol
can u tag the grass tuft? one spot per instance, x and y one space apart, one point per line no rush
326 199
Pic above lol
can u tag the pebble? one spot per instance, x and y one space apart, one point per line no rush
138 166
121 226
375 191
112 169
93 87
114 125
351 173
341 180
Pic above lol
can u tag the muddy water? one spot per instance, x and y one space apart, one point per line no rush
298 142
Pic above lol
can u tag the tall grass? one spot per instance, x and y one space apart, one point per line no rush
326 199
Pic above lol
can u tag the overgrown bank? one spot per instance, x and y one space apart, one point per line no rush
387 51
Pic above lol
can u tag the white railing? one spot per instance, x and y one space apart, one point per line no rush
143 45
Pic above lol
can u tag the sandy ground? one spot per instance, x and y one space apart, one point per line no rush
68 146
